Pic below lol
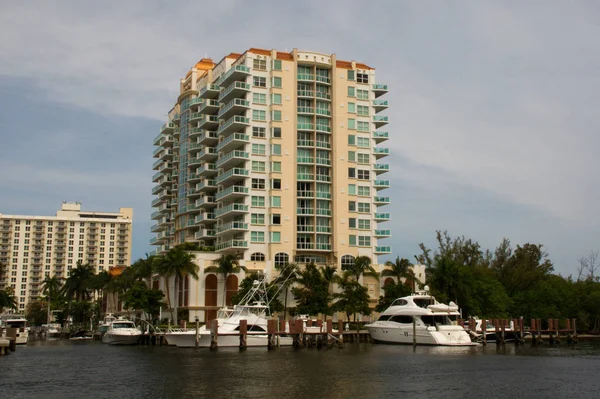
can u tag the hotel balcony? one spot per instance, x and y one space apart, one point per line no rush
209 107
380 137
305 126
381 184
205 233
379 90
322 247
306 94
232 175
232 227
206 185
194 177
380 250
231 245
381 168
232 192
305 177
322 128
380 105
379 121
238 72
305 211
381 217
234 107
233 124
208 154
207 169
167 127
236 89
205 217
323 95
232 158
305 160
306 77
231 210
210 91
204 202
233 141
382 233
381 152
381 200
305 143
305 229
208 122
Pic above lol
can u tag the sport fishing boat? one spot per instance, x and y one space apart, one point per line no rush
434 323
254 308
20 323
510 335
122 332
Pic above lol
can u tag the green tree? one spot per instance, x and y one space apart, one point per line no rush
78 284
35 313
288 274
360 267
141 298
8 300
400 269
353 299
312 292
225 265
51 289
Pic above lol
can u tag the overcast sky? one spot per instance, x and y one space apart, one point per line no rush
493 104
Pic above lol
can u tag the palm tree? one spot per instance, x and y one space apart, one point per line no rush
50 289
78 284
361 266
288 274
144 269
7 300
400 269
227 264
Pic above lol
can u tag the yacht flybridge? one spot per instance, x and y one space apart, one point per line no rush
433 322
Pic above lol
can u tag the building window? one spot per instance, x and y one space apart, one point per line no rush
351 124
257 236
258 201
275 149
276 116
364 224
258 132
276 99
351 139
352 206
258 166
259 64
276 132
259 115
350 74
276 167
363 142
363 110
364 241
276 201
351 91
257 257
363 126
362 78
276 184
352 240
364 191
277 65
352 172
259 98
281 259
362 94
275 236
258 184
363 159
352 223
352 108
276 82
364 207
259 81
351 189
257 218
351 156
363 174
276 218
258 149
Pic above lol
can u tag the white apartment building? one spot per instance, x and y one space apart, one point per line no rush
34 247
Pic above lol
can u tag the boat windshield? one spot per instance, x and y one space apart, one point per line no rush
436 320
423 302
123 325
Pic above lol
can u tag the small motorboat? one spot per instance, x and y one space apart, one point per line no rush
122 332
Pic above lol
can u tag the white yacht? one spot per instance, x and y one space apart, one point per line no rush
122 332
254 308
18 322
52 330
434 323
105 325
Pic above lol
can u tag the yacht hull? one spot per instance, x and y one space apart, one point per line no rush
121 339
443 336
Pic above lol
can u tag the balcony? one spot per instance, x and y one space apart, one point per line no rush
379 184
208 137
380 136
231 209
305 126
231 193
381 217
238 72
305 211
194 177
194 103
233 124
232 158
379 90
380 105
232 227
324 178
305 194
322 247
306 94
380 120
305 177
305 143
324 229
233 141
382 233
209 106
305 229
381 152
323 112
232 175
167 127
380 250
195 116
306 77
323 95
323 195
323 161
381 168
308 160
322 128
305 245
323 212
231 245
207 154
235 106
323 144
210 91
204 234
207 169
205 217
195 162
204 202
208 122
306 110
236 89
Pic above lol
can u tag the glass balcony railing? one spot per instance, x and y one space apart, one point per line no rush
383 249
232 244
231 208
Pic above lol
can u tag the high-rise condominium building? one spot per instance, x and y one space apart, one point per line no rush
276 157
34 247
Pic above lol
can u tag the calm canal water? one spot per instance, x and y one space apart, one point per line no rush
67 369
